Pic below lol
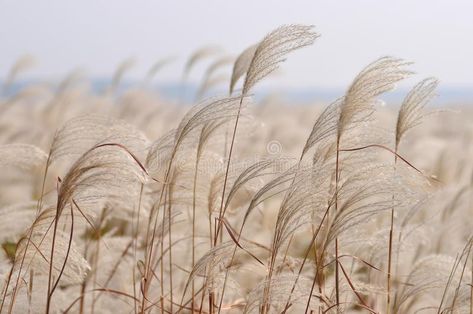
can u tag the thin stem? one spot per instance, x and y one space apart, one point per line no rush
194 202
30 233
135 226
96 259
337 165
312 242
387 149
67 252
230 153
169 194
51 260
390 248
471 290
390 244
148 261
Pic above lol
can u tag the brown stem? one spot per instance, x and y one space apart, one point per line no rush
222 209
314 237
51 260
390 244
30 233
337 165
67 253
194 191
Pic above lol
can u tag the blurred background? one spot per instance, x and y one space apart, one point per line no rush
75 74
95 38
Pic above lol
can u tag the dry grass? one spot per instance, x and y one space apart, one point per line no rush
125 203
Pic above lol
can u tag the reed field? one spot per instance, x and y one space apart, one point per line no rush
124 201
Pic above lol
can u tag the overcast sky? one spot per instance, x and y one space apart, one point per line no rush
97 35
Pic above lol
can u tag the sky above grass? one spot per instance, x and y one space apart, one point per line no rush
97 35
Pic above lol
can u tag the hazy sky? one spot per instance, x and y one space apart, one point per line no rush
97 35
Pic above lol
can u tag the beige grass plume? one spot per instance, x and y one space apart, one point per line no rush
22 64
411 111
270 53
156 67
197 56
211 77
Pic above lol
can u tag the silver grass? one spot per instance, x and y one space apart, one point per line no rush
215 66
22 64
163 230
209 83
250 233
120 72
208 130
69 80
306 198
272 50
104 171
361 199
373 246
35 96
81 133
205 112
280 286
375 79
240 180
30 298
197 56
159 153
107 170
212 263
267 57
324 128
428 280
156 67
411 111
15 219
244 179
273 188
167 150
37 257
22 156
409 116
356 107
212 111
241 65
215 262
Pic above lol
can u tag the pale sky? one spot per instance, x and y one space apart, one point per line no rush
97 35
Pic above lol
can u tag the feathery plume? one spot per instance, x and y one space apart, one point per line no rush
241 65
272 50
198 55
410 113
22 156
374 80
81 133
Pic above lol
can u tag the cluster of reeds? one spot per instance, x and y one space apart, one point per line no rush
121 204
